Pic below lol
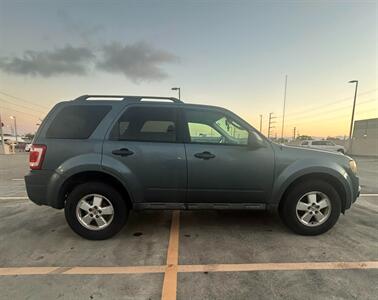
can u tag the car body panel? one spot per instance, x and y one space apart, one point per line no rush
167 175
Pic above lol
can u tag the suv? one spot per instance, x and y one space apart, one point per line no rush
100 159
323 145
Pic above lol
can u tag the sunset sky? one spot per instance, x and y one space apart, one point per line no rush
227 53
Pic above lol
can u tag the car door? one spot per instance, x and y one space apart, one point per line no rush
222 168
144 145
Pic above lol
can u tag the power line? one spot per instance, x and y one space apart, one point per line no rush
21 99
316 107
21 112
20 105
327 111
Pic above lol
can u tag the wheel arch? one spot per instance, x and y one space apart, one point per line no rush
87 176
334 181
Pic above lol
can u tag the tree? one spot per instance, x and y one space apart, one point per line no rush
29 136
304 137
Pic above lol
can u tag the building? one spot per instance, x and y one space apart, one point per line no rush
365 138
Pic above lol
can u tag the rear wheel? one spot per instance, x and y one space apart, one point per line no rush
95 211
311 207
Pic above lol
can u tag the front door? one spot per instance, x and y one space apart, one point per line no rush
221 166
144 141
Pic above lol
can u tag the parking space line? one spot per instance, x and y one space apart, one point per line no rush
27 271
278 266
14 198
114 270
170 277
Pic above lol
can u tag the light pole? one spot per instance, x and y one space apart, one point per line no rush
352 119
2 135
283 112
179 91
15 127
261 123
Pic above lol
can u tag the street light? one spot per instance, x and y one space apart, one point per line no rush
179 91
354 106
15 126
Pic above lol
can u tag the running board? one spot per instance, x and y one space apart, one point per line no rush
189 206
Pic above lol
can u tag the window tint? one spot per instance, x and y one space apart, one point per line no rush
146 124
202 133
214 127
77 121
319 143
304 143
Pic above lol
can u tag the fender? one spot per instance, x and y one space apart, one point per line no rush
302 168
75 165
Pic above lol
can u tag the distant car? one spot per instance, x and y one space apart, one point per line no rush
323 145
27 147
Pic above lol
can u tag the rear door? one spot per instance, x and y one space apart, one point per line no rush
221 166
145 141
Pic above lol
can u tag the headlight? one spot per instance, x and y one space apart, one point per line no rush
353 166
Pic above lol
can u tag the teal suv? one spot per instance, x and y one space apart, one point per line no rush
100 156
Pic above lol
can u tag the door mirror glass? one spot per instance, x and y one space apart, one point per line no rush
254 141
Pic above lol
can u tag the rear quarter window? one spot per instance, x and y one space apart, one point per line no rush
77 121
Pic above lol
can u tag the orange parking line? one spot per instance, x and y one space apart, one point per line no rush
27 271
279 266
170 277
114 270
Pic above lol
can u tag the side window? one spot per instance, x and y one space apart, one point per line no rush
214 127
202 133
319 143
77 121
150 124
304 143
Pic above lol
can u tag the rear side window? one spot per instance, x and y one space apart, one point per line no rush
304 143
319 143
150 124
77 121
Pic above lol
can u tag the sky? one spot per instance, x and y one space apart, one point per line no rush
233 54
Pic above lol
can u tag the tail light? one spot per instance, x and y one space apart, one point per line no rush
36 156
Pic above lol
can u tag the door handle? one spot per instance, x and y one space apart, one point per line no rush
123 152
204 155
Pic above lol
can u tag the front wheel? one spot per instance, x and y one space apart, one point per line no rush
310 208
95 211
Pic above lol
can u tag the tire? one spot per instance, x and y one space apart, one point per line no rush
302 195
95 222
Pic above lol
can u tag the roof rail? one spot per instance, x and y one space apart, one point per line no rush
127 98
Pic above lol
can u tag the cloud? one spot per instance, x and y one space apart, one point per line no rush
139 61
68 60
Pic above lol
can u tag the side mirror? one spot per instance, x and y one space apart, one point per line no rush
254 141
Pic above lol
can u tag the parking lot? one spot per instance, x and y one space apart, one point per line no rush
188 254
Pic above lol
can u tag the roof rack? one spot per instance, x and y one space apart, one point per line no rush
127 98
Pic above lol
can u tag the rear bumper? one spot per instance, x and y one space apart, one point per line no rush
38 185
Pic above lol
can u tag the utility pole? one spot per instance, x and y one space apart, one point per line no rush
295 128
2 135
270 124
352 119
15 127
283 113
261 123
